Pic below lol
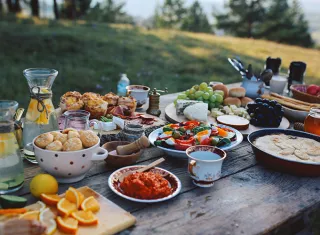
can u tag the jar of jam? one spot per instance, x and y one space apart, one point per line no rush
312 122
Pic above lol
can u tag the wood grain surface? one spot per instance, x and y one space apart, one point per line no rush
247 199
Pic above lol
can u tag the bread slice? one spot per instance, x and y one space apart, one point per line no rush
236 122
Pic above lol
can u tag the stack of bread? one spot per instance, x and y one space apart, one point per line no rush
236 96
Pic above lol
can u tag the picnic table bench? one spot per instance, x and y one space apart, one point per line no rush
247 199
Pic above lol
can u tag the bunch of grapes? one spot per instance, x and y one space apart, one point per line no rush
203 93
265 113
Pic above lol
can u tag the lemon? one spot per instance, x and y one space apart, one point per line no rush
43 183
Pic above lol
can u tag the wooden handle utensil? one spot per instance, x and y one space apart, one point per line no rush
141 143
143 169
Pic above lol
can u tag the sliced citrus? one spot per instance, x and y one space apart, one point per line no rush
90 204
47 217
85 217
67 224
50 199
31 215
66 207
73 196
38 206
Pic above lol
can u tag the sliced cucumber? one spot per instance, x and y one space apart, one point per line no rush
231 135
11 201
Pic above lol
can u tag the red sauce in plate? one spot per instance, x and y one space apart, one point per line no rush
145 185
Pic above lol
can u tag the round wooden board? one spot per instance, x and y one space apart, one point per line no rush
171 116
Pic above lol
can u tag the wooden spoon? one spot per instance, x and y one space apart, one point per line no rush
145 168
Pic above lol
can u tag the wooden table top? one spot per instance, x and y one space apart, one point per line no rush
247 199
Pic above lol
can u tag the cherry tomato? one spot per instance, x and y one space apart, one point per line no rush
206 141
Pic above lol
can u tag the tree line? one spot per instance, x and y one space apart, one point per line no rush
274 20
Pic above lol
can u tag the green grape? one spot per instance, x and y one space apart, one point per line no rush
212 105
219 92
191 96
198 94
217 105
182 96
196 87
210 92
200 98
206 96
203 86
219 98
213 98
209 88
192 91
187 92
206 101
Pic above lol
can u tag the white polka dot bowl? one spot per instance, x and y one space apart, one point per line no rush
69 167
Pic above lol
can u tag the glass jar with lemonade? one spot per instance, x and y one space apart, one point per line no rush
312 122
40 116
11 168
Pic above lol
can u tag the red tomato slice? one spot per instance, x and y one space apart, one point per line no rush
182 142
182 147
205 141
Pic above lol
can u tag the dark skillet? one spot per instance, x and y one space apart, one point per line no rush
280 163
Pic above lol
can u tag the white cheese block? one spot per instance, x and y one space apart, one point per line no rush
182 104
198 112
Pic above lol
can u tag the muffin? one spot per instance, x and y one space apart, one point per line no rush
72 100
129 102
89 96
97 107
111 98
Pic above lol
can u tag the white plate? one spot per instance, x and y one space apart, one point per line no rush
173 180
182 154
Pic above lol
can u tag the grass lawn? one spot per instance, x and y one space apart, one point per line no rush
90 57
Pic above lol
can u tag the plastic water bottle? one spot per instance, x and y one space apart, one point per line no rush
122 84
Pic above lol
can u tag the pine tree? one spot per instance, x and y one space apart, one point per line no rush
170 14
286 24
242 17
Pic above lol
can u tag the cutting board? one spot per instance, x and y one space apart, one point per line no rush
171 116
112 218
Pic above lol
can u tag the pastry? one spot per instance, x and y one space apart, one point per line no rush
90 95
61 137
66 131
73 134
237 92
55 133
232 101
111 98
43 140
88 138
72 144
54 146
129 102
72 100
222 88
94 104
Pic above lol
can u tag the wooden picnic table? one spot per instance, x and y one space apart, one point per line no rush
247 199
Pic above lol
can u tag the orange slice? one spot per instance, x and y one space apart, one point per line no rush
47 217
66 207
38 206
90 204
31 215
50 199
74 196
67 224
85 217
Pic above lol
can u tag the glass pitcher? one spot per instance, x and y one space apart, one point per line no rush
41 116
11 168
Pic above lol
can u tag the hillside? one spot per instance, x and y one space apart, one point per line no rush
90 57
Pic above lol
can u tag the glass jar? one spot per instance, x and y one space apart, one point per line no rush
41 116
312 122
11 167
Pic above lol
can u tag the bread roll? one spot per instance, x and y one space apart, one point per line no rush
237 92
245 101
222 88
232 101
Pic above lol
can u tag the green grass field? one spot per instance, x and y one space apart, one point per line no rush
90 57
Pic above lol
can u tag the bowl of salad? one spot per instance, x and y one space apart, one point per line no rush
174 139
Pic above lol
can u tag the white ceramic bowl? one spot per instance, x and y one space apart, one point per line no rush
295 115
69 167
182 154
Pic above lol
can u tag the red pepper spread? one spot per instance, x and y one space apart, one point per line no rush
145 185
